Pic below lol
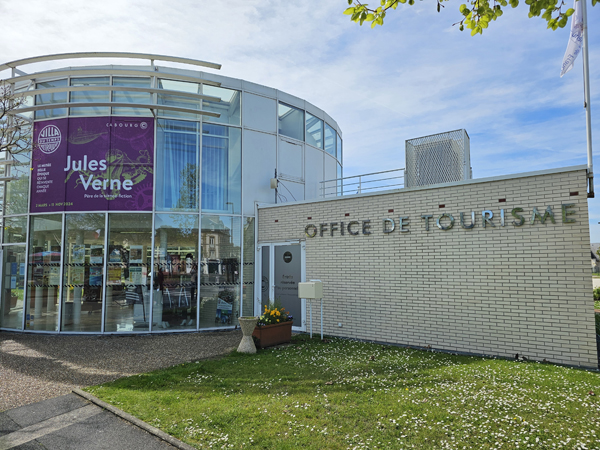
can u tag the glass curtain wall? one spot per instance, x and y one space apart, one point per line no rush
314 131
13 286
128 280
55 97
248 281
175 271
177 159
90 96
330 140
291 121
83 273
221 169
220 271
43 275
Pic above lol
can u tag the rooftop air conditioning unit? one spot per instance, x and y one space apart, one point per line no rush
438 158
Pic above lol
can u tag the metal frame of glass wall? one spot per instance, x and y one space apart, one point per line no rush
70 254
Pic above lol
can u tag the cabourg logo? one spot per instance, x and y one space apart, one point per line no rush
49 139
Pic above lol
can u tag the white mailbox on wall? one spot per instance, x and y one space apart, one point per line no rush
310 289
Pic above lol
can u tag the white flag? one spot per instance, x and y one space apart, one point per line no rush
575 39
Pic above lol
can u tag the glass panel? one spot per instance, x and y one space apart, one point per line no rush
15 230
183 86
83 283
219 276
17 189
228 107
46 99
13 284
179 101
329 140
248 282
291 121
287 275
314 131
177 156
43 275
176 271
132 96
128 283
90 96
340 185
339 149
221 169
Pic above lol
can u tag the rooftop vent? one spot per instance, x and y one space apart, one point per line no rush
438 158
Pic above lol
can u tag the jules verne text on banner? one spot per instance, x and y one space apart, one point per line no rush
93 164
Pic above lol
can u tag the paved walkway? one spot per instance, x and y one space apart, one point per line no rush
35 367
71 422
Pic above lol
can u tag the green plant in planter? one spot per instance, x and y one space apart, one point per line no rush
274 314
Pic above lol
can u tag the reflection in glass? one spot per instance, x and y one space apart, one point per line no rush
43 275
228 107
219 271
339 149
329 140
83 272
17 188
314 131
248 282
127 278
221 169
15 229
13 284
90 96
176 253
132 96
291 121
177 155
46 99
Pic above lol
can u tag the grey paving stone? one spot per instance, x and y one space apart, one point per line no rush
104 431
7 425
38 412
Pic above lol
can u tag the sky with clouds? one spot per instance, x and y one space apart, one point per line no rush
416 75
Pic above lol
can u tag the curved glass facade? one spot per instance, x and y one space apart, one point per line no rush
126 219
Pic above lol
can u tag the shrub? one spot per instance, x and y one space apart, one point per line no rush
597 293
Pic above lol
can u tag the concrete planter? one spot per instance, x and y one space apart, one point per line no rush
247 325
269 335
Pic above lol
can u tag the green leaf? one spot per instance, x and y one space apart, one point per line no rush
373 24
569 12
349 11
370 17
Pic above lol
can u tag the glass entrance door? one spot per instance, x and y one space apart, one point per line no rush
282 268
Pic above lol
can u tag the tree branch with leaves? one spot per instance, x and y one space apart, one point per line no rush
476 14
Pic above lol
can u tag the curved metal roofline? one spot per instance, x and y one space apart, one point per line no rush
91 72
33 92
150 106
78 55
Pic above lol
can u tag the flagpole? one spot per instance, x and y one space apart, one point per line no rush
586 93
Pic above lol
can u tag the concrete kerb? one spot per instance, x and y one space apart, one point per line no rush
135 421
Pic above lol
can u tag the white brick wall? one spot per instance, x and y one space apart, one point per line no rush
493 290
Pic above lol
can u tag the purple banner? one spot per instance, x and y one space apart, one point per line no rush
93 164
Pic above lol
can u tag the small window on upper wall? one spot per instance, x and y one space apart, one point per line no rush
125 96
55 97
314 131
339 148
291 121
91 96
330 137
228 107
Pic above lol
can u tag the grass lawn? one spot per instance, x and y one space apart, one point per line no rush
344 394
